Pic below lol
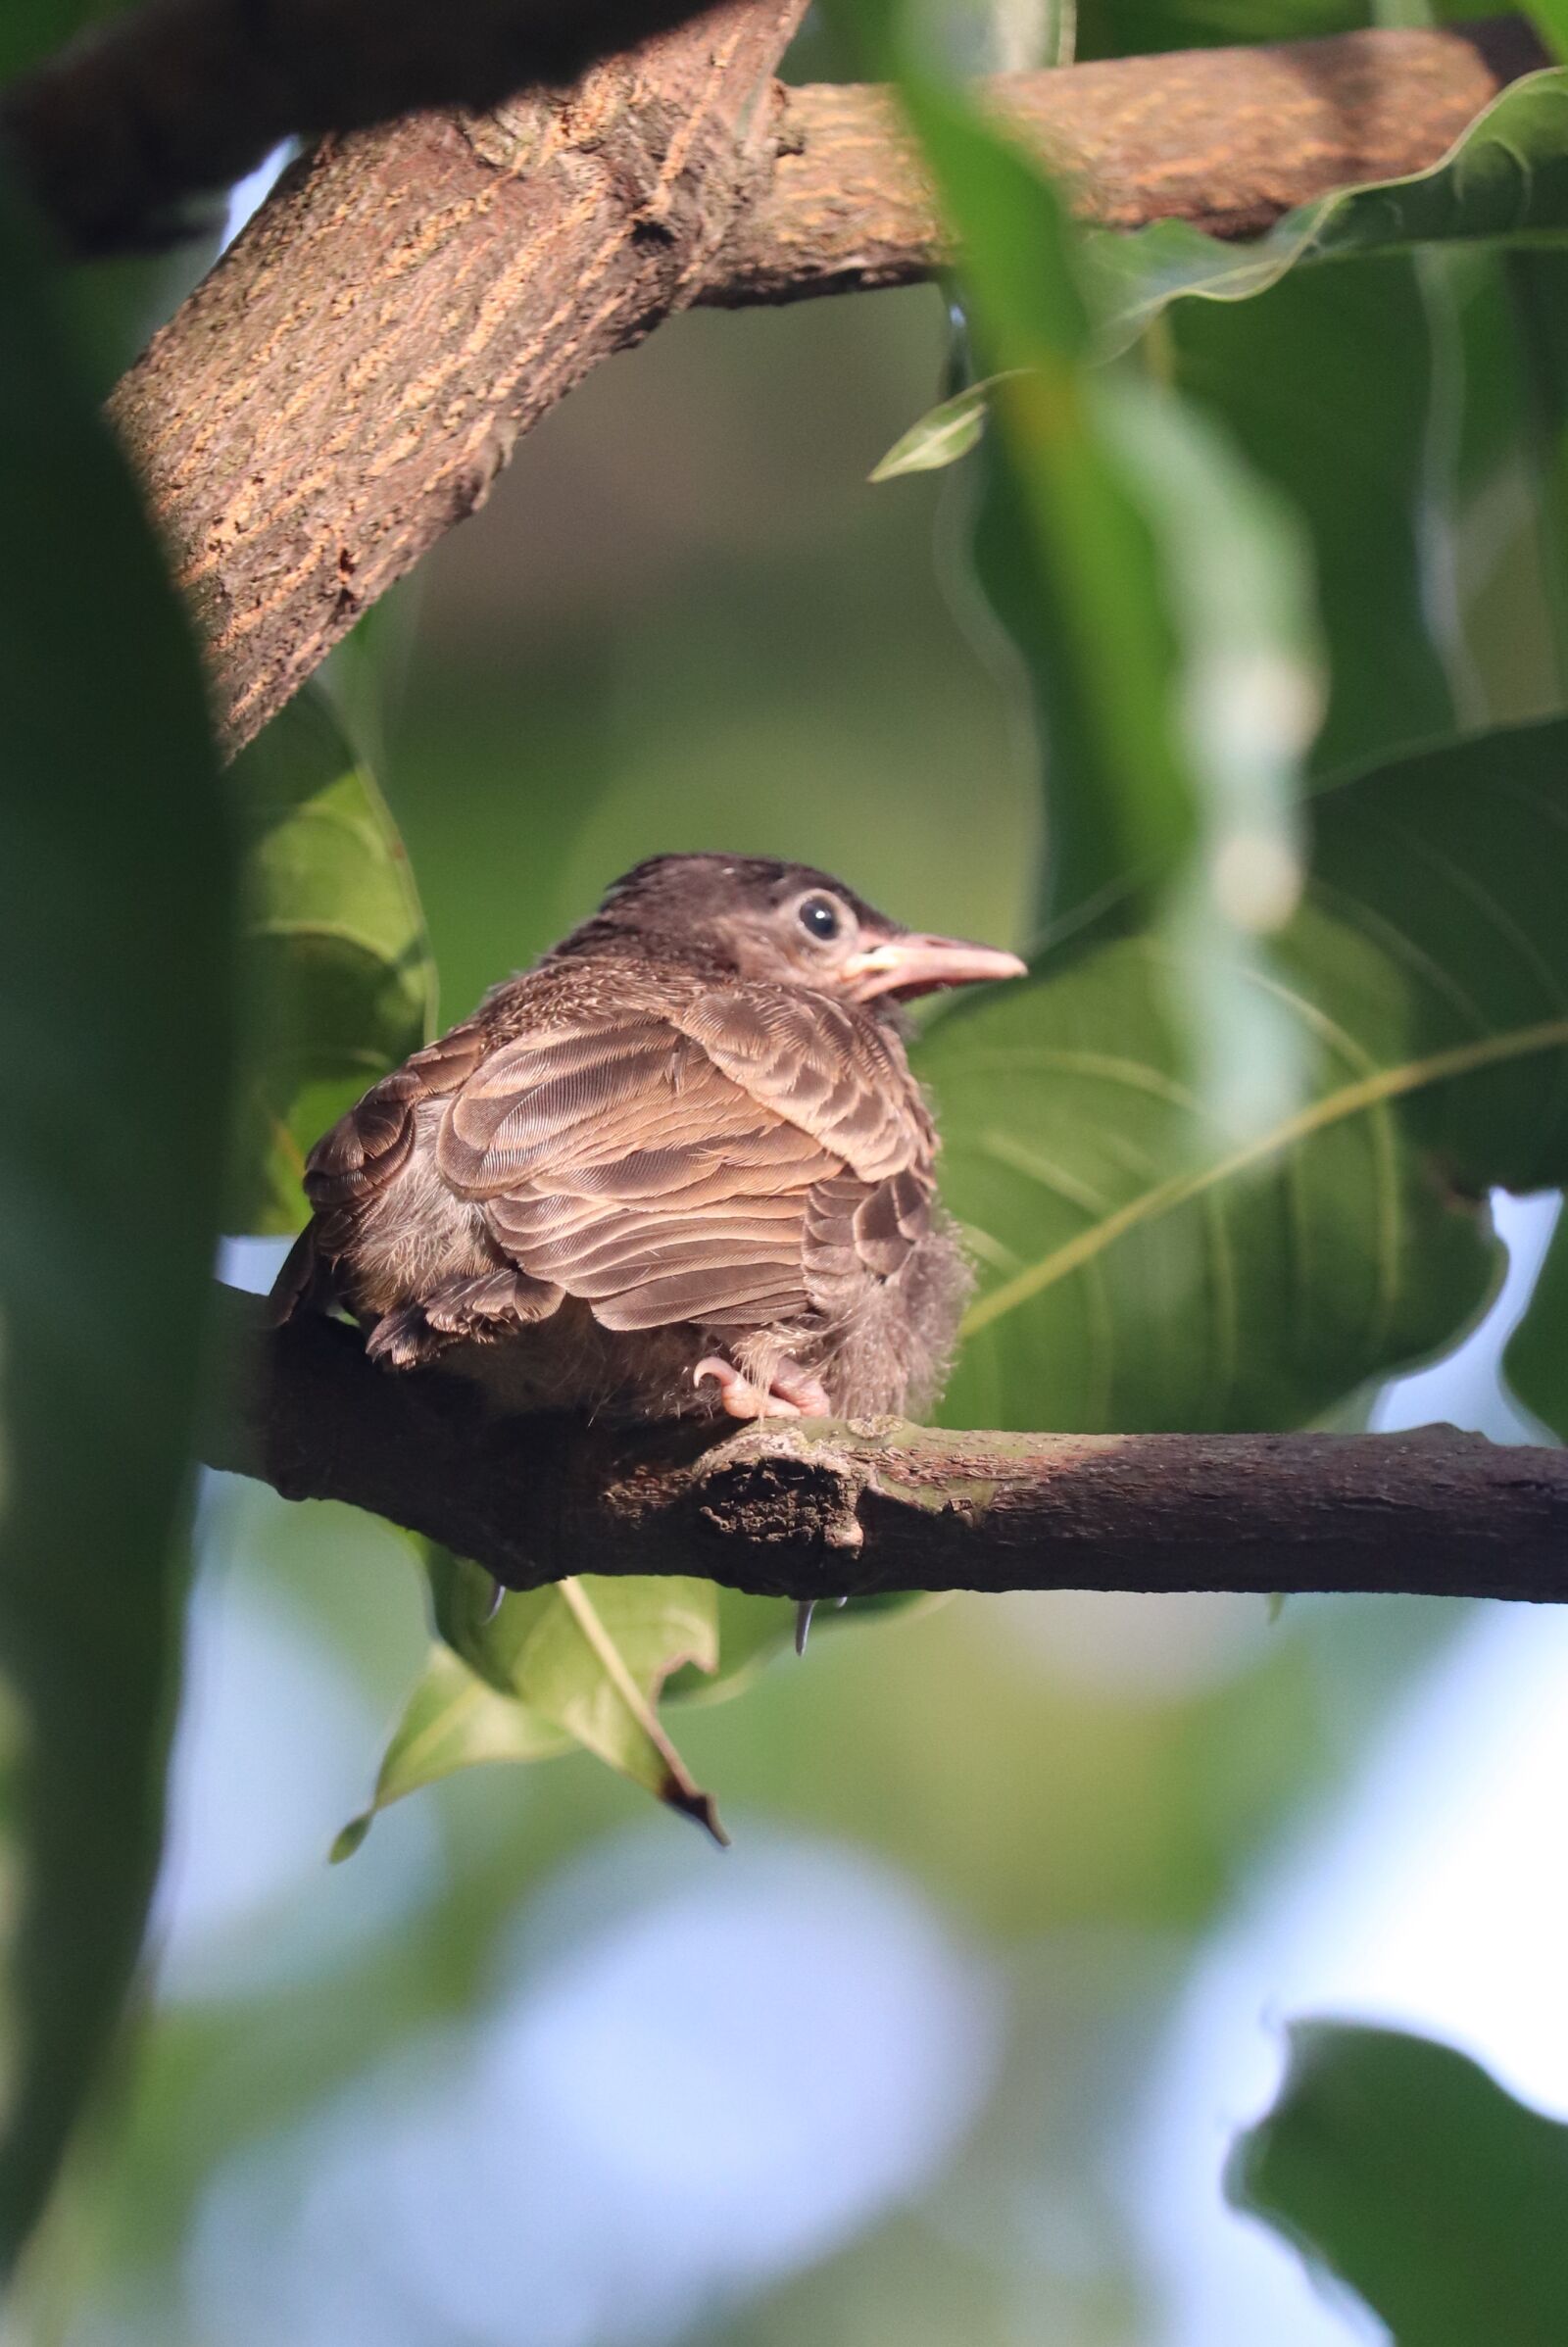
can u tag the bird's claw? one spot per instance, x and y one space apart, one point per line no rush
804 1608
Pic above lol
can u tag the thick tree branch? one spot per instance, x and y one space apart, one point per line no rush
351 378
1227 139
181 97
815 1511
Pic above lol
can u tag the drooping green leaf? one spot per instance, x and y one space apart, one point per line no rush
943 435
1401 2168
1505 181
1144 1268
1536 1362
338 975
116 898
1437 537
582 1661
460 1716
453 1720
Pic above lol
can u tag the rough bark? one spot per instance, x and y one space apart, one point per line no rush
349 380
816 1510
181 97
1227 139
353 376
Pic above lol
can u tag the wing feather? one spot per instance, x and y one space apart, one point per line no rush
702 1159
373 1143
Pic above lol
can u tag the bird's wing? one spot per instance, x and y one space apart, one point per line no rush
359 1156
371 1143
841 1078
620 1156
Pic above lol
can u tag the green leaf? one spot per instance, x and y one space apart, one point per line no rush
32 30
453 1720
1286 375
1144 1268
1436 510
943 435
1505 181
1551 21
337 973
116 898
582 1661
1403 2170
1142 27
1158 599
1534 288
1536 1362
1097 623
1464 389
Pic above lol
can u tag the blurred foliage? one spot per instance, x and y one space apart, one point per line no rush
1505 180
32 28
336 971
1467 348
1114 529
1550 17
1136 1255
1143 28
1223 1158
111 305
1406 2172
1537 1358
114 925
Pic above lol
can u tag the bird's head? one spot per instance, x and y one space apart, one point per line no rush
785 922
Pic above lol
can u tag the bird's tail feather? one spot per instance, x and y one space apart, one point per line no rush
304 1282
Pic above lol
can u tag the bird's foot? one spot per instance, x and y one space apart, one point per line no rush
791 1392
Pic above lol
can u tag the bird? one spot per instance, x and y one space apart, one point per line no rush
679 1168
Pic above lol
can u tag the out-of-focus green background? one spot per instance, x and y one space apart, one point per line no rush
952 2044
687 621
914 2060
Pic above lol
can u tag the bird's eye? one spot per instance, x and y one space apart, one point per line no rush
821 916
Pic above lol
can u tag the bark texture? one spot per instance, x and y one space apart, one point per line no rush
1227 139
814 1510
349 380
355 372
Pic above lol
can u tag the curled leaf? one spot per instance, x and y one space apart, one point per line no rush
582 1661
942 435
1505 181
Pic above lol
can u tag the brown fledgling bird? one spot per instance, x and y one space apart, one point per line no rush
680 1167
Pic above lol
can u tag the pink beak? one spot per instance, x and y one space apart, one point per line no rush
909 966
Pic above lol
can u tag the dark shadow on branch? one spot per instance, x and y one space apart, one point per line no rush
814 1510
